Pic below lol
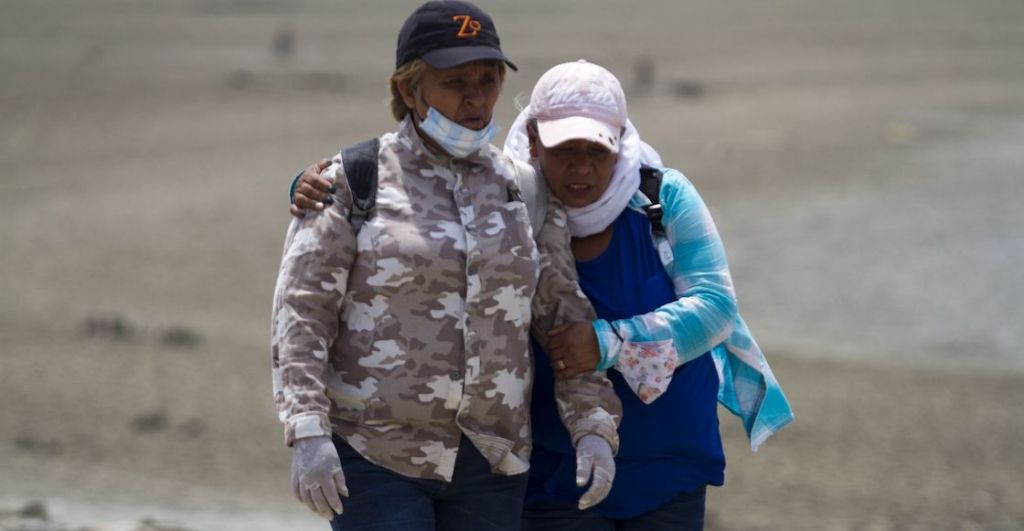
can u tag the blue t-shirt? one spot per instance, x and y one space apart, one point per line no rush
667 447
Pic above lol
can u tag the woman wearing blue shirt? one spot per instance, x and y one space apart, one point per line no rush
668 332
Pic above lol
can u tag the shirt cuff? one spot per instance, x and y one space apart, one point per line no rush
598 422
306 425
609 342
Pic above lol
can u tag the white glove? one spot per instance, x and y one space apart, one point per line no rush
317 479
594 462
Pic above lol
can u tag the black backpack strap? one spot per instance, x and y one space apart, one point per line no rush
650 185
360 163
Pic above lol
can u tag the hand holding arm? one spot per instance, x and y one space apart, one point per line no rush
573 349
317 478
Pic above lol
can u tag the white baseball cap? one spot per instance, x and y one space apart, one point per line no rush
579 100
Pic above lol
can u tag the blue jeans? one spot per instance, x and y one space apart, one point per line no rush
475 500
685 512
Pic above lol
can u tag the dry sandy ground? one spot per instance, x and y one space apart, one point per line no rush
863 161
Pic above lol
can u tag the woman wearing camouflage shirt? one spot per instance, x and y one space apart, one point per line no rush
407 339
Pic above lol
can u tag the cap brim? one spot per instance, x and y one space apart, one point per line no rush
459 55
555 132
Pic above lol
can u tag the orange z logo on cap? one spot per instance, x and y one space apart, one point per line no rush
469 27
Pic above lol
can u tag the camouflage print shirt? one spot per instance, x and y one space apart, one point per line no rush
413 332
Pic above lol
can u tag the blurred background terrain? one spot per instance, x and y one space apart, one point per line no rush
864 162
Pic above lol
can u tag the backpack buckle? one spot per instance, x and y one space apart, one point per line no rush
654 213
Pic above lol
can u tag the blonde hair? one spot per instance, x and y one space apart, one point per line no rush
411 73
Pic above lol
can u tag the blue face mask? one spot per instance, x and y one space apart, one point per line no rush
460 142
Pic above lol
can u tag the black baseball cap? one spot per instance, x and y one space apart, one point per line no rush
448 33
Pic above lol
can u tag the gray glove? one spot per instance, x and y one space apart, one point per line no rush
594 462
317 479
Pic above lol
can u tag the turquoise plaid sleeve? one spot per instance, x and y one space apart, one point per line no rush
748 388
705 316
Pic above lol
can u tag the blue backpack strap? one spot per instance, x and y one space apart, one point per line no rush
650 185
360 162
